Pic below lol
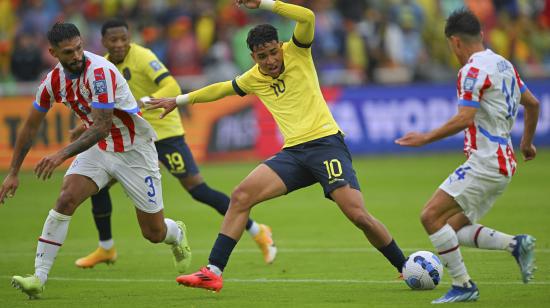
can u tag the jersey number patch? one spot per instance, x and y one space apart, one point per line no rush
510 101
334 168
279 87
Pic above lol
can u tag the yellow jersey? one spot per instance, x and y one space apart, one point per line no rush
294 98
147 76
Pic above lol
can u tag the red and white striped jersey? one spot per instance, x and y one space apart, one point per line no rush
491 83
100 85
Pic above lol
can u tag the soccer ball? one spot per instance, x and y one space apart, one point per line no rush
422 271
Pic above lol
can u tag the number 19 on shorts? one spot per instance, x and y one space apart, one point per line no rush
334 168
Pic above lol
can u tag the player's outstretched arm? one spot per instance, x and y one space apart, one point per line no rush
459 122
210 93
305 18
103 119
23 144
531 116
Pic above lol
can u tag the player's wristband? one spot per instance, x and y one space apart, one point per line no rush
267 4
145 99
182 99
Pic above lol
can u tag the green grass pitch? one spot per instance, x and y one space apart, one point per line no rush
323 259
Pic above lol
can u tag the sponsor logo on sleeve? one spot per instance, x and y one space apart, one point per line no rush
100 87
469 84
155 65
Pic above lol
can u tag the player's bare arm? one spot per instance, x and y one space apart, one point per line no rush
207 94
76 132
103 119
23 144
304 17
531 116
459 122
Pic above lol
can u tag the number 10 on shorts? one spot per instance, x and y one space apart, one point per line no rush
334 168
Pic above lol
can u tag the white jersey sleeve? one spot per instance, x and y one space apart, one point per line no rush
44 98
102 83
473 81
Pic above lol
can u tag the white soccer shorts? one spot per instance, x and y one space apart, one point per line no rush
136 170
475 190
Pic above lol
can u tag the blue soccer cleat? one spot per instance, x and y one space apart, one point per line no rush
459 294
524 253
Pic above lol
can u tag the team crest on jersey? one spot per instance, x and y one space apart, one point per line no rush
84 90
469 84
126 73
155 65
100 87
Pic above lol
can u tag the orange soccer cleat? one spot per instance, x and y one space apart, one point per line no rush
100 255
265 242
204 279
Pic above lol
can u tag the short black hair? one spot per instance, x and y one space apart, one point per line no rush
61 31
462 22
113 23
260 35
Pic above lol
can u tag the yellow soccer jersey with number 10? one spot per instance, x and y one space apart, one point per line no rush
294 98
143 71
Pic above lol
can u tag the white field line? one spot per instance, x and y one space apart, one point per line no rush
335 250
275 280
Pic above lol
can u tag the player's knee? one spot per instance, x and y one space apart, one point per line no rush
66 203
241 199
427 217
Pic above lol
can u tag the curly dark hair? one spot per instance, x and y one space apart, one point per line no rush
61 31
113 23
260 35
462 22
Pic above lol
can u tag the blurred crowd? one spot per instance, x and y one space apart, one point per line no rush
356 42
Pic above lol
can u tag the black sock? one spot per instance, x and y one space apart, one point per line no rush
215 199
219 256
101 208
393 253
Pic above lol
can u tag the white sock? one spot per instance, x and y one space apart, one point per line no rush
254 229
214 269
108 244
53 235
485 238
445 242
173 233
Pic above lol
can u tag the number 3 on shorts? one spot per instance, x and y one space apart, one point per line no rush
334 168
149 181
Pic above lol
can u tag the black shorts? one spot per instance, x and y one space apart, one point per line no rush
176 156
325 160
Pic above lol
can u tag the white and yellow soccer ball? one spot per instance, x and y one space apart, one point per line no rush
422 271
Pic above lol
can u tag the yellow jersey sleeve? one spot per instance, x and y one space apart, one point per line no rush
147 76
152 67
244 83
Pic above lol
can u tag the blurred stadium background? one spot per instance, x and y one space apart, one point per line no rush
384 65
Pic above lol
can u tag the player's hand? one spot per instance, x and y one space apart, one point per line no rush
529 151
250 4
76 132
413 139
168 104
47 165
142 102
9 186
